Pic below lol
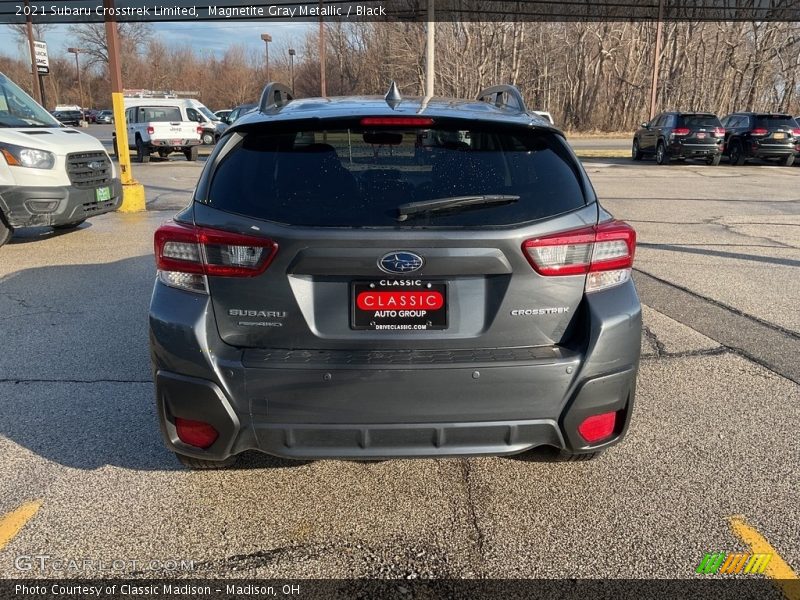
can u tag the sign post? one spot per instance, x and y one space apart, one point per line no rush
42 65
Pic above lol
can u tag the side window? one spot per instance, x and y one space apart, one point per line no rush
661 120
670 120
726 122
193 115
129 115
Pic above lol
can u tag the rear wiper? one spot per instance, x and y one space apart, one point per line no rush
454 202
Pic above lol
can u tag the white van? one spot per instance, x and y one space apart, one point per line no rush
49 174
191 110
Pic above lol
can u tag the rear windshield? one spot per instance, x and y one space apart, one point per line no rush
767 121
359 177
698 121
159 114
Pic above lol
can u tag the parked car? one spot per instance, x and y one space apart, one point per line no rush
69 117
222 115
105 117
49 175
90 116
325 297
191 110
240 111
680 135
769 136
160 129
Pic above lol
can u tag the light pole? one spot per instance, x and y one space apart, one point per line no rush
267 39
77 51
291 65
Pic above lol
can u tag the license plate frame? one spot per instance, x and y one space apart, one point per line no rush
395 305
102 194
779 135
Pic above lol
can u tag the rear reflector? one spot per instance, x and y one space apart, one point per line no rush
196 433
183 248
598 427
605 252
397 121
681 131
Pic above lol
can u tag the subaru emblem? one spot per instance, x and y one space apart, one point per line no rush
400 262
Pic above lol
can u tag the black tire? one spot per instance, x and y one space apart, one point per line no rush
142 151
714 160
207 138
199 464
565 456
68 226
662 157
636 153
787 161
191 153
5 231
737 154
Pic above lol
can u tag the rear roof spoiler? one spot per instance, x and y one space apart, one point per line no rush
504 96
275 96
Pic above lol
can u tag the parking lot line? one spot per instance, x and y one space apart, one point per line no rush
13 522
777 568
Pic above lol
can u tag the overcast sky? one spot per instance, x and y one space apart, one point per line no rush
210 36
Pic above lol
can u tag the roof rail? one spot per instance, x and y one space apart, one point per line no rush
275 95
504 95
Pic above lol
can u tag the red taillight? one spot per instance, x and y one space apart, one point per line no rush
796 132
598 427
719 131
195 433
150 130
598 248
759 131
681 131
200 250
397 121
200 131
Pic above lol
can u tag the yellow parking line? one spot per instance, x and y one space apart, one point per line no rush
777 568
11 523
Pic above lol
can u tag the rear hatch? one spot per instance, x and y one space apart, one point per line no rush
699 129
381 244
775 130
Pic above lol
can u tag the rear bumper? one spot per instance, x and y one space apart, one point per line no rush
679 150
29 206
368 405
169 143
774 151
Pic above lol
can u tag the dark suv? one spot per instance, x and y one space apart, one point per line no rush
680 135
770 136
333 292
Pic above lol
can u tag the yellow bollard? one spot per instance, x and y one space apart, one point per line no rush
133 198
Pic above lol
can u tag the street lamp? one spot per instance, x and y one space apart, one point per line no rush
291 65
77 51
267 39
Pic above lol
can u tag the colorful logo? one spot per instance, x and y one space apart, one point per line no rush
721 562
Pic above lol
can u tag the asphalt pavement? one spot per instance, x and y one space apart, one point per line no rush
714 431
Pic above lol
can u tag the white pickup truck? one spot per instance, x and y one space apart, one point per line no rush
160 129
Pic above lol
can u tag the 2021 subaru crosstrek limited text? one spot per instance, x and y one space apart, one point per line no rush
340 289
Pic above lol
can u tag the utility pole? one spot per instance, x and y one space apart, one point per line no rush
37 81
267 39
656 59
323 88
76 51
133 199
291 65
430 50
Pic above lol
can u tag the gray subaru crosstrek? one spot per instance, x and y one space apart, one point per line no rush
368 278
